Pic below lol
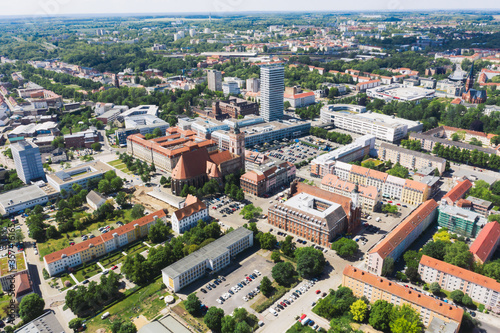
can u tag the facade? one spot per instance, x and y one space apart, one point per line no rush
315 214
166 151
17 200
470 94
449 87
83 139
325 164
230 88
267 178
214 79
91 249
460 220
210 258
400 238
300 100
375 288
480 206
79 174
486 242
369 196
383 127
480 288
446 132
253 85
429 141
95 200
188 216
28 161
410 159
234 107
272 80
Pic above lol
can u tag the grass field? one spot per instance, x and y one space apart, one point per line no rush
377 162
87 272
146 301
196 322
4 306
118 164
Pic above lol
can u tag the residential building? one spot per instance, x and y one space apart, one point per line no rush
449 87
457 192
214 78
297 98
253 85
316 215
460 220
14 275
210 258
374 288
383 127
481 289
267 177
47 322
480 206
359 148
110 116
188 216
166 151
415 192
95 200
401 237
272 80
486 242
80 174
93 248
83 139
410 159
429 141
369 196
28 161
230 88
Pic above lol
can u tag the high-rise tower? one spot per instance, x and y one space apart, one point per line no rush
272 86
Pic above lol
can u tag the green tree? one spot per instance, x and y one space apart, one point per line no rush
380 313
193 304
266 286
359 310
243 327
163 180
434 287
345 247
31 307
228 324
283 273
288 246
405 320
121 198
96 146
213 318
412 274
388 266
310 262
458 254
116 184
275 256
157 132
75 324
137 211
467 301
457 296
436 249
267 240
104 186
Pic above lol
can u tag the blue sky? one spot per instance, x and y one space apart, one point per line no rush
58 7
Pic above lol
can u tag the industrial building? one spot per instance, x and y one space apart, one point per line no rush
400 92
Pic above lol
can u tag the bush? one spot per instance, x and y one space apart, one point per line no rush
67 284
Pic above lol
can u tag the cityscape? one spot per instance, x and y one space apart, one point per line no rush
250 171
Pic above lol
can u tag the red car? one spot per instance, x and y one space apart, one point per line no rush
214 207
318 292
249 279
389 201
114 267
72 243
398 204
283 304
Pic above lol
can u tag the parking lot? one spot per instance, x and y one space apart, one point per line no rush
224 206
234 274
295 153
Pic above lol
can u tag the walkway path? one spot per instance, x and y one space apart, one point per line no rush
100 265
74 278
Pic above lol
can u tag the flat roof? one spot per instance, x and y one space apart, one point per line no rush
305 202
81 171
402 150
462 213
212 250
20 195
9 266
46 323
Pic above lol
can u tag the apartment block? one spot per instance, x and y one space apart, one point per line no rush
188 216
28 161
91 249
480 288
376 288
457 192
415 192
400 238
460 220
410 159
210 258
486 242
369 196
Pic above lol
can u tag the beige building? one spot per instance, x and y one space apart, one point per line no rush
410 159
415 192
369 196
376 288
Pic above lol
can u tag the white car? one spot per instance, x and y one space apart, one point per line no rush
245 298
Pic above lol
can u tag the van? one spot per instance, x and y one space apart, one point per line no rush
105 315
273 311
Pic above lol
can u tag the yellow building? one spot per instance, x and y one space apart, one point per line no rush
414 193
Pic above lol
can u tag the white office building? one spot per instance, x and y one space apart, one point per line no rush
230 87
214 79
272 80
28 161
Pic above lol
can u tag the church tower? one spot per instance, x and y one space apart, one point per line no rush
470 79
237 144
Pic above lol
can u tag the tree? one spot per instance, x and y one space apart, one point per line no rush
52 232
288 246
436 172
228 324
436 249
310 262
31 307
380 313
75 324
243 327
283 273
275 256
388 266
405 319
193 304
157 132
434 287
213 318
412 274
104 186
345 247
266 286
116 184
163 180
137 211
121 198
457 296
159 232
458 254
359 310
267 240
250 211
467 301
123 327
96 146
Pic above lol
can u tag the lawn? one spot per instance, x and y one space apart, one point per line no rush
4 305
118 164
145 301
85 273
196 322
376 162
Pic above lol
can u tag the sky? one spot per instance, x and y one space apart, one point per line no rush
61 7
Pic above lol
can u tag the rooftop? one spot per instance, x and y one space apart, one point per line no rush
479 202
22 194
212 250
487 241
307 203
458 191
418 154
462 213
9 266
81 171
461 145
46 323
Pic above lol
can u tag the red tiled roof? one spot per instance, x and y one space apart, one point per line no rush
221 157
190 209
191 164
345 202
486 242
22 284
461 273
301 95
55 256
409 295
399 234
458 191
